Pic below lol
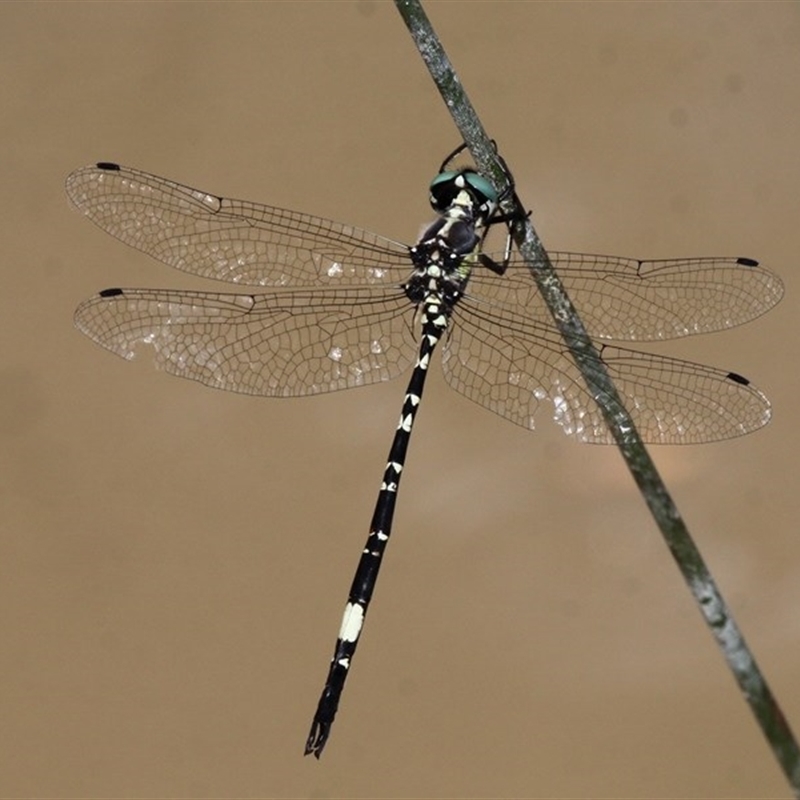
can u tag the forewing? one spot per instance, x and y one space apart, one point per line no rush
278 344
517 368
632 300
232 240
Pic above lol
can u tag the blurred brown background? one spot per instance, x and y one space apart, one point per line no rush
175 560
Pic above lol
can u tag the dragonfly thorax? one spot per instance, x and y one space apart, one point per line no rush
465 202
447 250
443 261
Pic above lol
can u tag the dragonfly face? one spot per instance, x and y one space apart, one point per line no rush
463 187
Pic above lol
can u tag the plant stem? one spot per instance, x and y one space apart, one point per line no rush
688 558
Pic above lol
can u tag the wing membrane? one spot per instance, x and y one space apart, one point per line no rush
517 370
279 344
631 300
337 316
231 240
252 244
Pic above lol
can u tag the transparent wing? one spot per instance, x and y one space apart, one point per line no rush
279 344
356 326
252 244
231 240
515 367
628 299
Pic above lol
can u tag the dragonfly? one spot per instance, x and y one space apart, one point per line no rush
327 306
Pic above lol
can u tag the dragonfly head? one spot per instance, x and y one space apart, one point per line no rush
465 188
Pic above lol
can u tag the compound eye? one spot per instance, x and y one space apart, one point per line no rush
483 190
446 186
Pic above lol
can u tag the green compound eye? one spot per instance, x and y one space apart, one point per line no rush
444 177
481 186
446 186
